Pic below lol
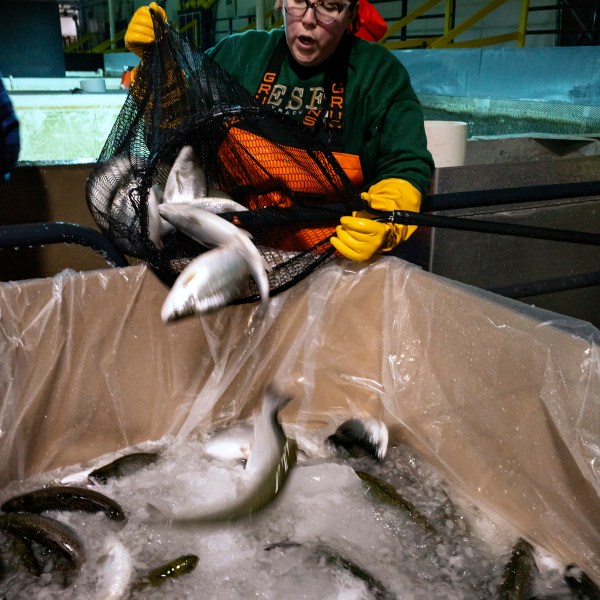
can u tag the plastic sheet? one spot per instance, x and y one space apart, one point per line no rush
501 397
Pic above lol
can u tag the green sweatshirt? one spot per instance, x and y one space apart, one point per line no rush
383 120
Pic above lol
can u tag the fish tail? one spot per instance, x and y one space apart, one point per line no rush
275 399
257 265
157 514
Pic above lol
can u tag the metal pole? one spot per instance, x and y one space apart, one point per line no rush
260 14
111 24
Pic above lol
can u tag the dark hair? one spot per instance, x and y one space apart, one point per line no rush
355 25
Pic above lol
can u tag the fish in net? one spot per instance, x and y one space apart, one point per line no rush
288 182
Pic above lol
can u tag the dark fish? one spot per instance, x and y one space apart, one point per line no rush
46 531
375 587
388 494
519 573
321 552
22 550
125 465
283 544
65 498
361 437
176 568
580 584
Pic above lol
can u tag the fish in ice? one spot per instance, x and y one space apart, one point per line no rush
361 436
115 572
64 498
387 493
519 572
580 584
122 466
231 443
376 588
48 532
324 555
21 548
273 456
182 565
217 276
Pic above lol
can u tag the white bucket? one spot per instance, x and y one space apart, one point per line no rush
93 86
447 142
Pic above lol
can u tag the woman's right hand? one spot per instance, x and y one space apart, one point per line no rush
140 31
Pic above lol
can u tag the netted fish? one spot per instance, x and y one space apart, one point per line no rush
232 259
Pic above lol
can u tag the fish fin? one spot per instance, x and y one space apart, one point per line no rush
157 514
186 180
218 205
258 266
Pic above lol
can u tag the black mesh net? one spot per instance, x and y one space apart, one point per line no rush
293 187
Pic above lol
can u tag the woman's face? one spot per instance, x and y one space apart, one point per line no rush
311 42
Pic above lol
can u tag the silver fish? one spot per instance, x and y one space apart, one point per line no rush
273 456
122 466
116 569
231 443
109 190
209 282
186 181
211 231
218 204
156 229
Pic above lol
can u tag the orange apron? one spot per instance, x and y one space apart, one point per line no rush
267 170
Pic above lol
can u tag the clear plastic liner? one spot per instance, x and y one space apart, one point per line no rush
502 398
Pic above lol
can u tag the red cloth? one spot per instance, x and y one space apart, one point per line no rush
371 25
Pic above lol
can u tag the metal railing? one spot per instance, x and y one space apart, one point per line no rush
450 31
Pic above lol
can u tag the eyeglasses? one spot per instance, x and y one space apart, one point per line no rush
325 12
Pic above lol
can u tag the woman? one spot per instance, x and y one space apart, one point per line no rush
353 94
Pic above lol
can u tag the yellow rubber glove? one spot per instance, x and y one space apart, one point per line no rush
140 31
359 237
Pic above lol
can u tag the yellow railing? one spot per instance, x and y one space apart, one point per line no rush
447 39
78 45
110 45
273 20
